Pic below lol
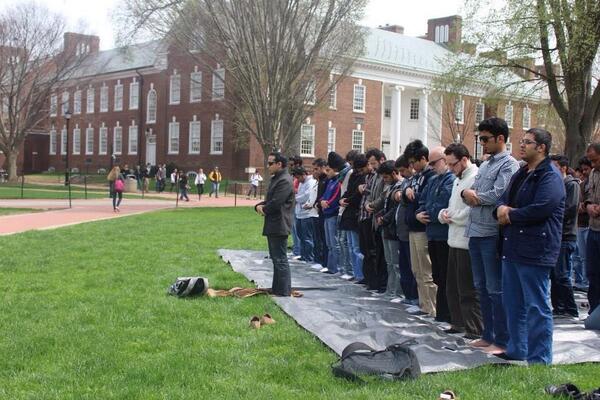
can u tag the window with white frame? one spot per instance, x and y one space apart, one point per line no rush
175 88
414 109
218 84
333 98
133 139
52 141
64 104
151 106
479 112
194 144
526 117
118 106
330 140
89 140
358 103
103 140
459 111
91 92
77 102
216 136
311 92
387 107
134 94
508 114
53 105
195 86
118 140
307 140
358 140
76 140
174 137
104 98
63 141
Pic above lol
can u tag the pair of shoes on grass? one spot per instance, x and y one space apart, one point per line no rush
570 391
256 322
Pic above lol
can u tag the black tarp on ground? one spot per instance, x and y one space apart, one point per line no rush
339 313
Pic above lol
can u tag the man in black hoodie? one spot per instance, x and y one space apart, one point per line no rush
563 301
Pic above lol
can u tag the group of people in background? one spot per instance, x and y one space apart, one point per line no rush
489 248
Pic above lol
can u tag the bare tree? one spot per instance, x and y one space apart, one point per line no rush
33 64
282 57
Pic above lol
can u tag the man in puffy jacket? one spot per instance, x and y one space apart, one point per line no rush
531 212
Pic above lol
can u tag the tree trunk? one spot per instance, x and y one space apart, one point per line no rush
576 141
12 165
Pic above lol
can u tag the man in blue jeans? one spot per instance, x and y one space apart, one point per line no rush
583 226
531 212
482 231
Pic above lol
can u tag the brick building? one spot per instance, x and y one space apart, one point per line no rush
150 103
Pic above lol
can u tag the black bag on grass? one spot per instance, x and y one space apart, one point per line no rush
397 361
189 286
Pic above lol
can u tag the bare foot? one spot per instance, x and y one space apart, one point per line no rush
493 349
479 343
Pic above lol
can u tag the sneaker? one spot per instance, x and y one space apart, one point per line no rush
296 257
346 276
323 270
415 310
318 267
396 300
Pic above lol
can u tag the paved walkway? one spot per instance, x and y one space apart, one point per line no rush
59 214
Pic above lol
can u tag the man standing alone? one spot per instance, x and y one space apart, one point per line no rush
278 210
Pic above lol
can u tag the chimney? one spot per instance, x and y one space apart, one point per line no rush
81 44
445 30
393 28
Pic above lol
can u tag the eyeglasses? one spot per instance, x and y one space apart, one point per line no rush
527 141
432 163
452 165
484 139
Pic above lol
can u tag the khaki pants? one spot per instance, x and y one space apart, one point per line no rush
421 267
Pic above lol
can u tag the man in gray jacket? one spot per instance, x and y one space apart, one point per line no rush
278 210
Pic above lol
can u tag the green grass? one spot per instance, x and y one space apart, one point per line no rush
9 211
85 316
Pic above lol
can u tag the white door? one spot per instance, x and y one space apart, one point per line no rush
151 149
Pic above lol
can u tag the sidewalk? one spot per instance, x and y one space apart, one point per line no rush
60 214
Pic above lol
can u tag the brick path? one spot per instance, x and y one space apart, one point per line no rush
59 214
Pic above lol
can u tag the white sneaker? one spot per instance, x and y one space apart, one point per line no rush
396 300
316 266
323 270
296 257
413 309
346 276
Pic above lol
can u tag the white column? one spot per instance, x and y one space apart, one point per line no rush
424 106
396 123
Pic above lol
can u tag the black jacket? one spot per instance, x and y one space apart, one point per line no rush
349 220
572 190
279 205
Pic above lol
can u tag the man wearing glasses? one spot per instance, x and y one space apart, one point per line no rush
278 210
531 211
483 233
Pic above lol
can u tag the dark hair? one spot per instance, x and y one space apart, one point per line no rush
351 155
496 126
387 167
595 147
458 150
360 161
298 171
584 161
563 161
378 154
541 136
279 158
296 160
402 162
416 150
319 162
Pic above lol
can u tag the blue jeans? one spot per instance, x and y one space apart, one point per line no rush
528 314
561 293
320 246
214 189
579 274
282 279
344 264
295 239
407 279
306 233
487 277
333 247
593 269
355 254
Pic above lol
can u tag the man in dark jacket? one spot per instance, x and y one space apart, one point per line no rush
531 212
319 174
561 290
278 210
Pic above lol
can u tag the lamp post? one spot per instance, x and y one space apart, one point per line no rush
67 116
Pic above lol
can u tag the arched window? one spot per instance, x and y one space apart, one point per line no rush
151 110
446 32
437 34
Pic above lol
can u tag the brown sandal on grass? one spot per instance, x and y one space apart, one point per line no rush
255 322
267 320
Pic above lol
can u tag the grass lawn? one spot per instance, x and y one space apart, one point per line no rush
85 315
32 191
9 211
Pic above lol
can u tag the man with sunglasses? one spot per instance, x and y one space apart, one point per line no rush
278 210
531 211
483 233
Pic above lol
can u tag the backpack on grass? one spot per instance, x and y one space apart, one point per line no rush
189 286
397 361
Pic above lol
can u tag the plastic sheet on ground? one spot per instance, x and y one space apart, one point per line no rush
339 313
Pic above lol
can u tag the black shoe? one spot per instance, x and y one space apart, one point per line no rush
381 291
361 282
568 389
506 357
452 330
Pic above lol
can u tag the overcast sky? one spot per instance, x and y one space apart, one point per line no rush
413 15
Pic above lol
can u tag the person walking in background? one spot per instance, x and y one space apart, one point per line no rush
199 182
161 176
255 180
116 182
183 186
277 208
173 180
215 179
